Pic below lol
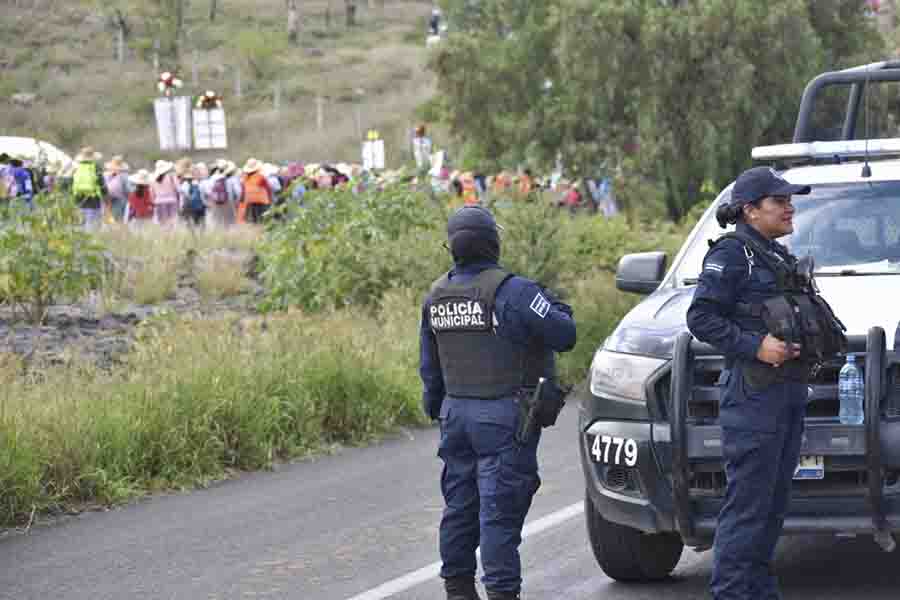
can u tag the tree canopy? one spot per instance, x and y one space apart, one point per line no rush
680 90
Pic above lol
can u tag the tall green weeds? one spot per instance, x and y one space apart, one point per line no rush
198 397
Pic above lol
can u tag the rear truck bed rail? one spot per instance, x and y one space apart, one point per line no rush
692 442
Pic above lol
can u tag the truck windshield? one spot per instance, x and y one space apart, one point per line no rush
848 229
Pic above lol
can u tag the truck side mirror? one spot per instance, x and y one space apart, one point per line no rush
641 273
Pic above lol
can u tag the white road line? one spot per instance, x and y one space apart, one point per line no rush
410 580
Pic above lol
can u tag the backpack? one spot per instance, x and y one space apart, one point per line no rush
195 200
84 182
9 188
220 192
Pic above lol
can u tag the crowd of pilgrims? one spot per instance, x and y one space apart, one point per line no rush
222 193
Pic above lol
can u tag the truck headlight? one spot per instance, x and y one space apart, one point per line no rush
622 376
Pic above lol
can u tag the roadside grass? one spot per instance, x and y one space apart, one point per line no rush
154 281
147 262
196 398
220 277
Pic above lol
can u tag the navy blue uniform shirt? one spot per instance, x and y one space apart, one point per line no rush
517 321
728 277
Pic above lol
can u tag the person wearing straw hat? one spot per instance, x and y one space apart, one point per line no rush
257 195
271 170
63 180
183 166
139 210
89 187
193 207
219 201
116 176
51 174
166 197
470 189
235 189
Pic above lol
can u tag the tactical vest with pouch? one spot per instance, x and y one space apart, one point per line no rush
797 314
475 361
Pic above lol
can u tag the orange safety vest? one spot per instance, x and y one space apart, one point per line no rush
525 185
470 194
256 189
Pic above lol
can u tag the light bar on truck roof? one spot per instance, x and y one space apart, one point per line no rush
842 149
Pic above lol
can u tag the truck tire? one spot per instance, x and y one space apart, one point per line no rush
630 555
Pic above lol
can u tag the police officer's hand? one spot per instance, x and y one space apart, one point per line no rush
775 352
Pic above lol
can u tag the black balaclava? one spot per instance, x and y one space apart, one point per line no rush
473 236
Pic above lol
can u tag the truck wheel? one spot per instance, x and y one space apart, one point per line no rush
630 555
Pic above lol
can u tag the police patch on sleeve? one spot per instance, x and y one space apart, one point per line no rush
540 305
456 314
714 268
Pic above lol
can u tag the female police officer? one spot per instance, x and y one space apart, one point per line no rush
486 335
764 384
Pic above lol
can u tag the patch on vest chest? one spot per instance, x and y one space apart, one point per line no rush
458 315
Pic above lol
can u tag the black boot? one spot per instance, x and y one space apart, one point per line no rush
461 588
502 595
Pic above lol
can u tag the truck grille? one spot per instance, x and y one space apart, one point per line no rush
836 483
824 404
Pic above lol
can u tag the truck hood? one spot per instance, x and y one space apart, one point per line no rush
860 302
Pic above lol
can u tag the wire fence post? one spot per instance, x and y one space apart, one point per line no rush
120 45
320 113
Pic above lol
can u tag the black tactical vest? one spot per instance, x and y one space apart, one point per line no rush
476 362
798 314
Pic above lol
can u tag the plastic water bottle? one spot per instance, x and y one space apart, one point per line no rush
851 392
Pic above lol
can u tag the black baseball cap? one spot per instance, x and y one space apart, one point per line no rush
759 182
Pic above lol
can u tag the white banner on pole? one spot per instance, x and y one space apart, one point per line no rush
422 152
373 154
437 163
210 130
173 122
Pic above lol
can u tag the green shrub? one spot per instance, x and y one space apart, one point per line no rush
45 257
598 244
531 242
342 249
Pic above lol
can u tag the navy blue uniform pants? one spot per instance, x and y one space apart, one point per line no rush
760 467
488 482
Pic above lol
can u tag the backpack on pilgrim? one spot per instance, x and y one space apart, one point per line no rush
196 207
219 192
9 188
84 181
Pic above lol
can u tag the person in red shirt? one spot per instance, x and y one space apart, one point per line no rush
139 210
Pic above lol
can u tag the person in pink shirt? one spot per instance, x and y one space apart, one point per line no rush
165 194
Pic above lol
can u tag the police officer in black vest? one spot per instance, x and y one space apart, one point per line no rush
758 305
487 337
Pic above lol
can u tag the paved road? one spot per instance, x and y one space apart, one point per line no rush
349 525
